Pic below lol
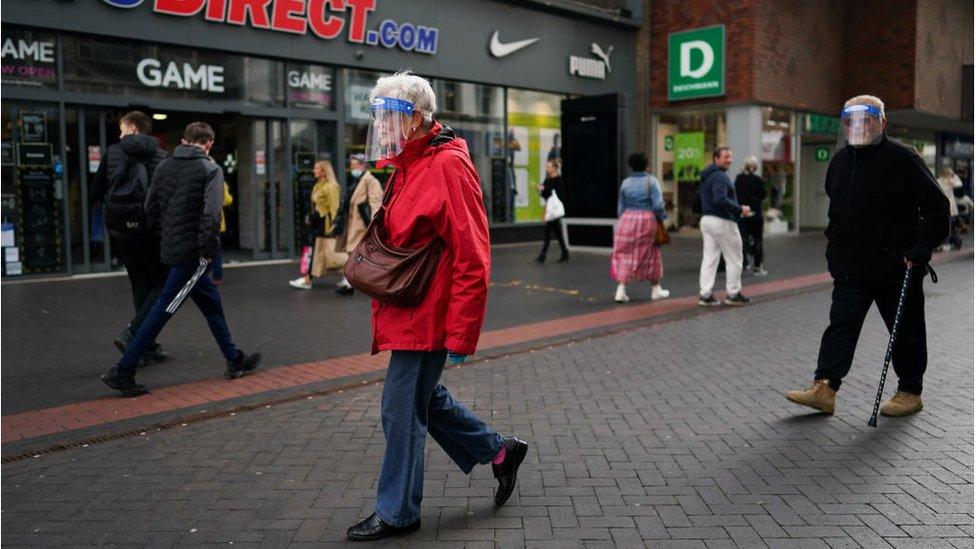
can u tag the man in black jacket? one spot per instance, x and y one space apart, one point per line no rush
123 176
184 202
886 214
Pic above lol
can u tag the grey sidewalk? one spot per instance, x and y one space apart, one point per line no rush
674 435
57 336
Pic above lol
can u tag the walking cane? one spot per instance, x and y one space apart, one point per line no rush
873 422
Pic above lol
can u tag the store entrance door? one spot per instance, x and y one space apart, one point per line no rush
591 160
252 153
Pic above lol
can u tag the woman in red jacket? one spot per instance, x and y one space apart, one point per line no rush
434 193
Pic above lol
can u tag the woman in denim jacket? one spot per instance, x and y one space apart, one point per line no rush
640 208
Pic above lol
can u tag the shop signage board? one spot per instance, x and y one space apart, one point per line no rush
668 143
696 63
689 155
310 86
818 123
325 19
29 58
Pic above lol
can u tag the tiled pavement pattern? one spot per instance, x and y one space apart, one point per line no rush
675 435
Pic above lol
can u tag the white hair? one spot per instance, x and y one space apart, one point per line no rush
403 85
867 100
750 164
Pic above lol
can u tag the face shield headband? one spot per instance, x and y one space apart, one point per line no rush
861 125
389 121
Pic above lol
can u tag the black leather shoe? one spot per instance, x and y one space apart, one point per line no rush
345 290
243 365
563 258
123 339
154 355
540 259
507 471
374 528
125 384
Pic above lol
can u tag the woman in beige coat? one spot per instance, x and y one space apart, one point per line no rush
325 204
364 200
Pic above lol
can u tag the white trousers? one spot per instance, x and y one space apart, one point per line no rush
720 236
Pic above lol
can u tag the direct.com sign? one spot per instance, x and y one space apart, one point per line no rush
326 19
696 63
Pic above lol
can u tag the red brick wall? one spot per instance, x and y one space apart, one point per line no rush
944 43
669 16
879 50
799 53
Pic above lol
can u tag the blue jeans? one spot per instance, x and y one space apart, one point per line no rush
414 402
218 264
206 297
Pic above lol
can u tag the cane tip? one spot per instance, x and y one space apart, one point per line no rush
873 422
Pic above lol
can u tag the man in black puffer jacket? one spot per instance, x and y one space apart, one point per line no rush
121 183
886 213
184 202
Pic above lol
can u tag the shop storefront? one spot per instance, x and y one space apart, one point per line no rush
283 87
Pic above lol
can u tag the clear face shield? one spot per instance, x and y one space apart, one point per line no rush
861 125
389 122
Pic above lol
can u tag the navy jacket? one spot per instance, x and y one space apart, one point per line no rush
718 194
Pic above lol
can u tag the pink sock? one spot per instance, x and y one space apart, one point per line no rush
499 457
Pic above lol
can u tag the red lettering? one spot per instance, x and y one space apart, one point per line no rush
357 22
256 10
184 8
326 27
283 19
216 10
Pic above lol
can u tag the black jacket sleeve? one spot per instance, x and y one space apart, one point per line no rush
213 203
933 211
151 206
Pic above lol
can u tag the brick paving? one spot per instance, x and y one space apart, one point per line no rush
670 435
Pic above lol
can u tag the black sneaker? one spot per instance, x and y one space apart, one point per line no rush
243 364
154 355
737 299
563 258
540 259
123 339
125 384
345 290
707 301
507 471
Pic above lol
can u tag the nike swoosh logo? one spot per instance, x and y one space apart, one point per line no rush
498 49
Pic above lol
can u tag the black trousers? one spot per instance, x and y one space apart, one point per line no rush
850 304
146 274
751 229
553 228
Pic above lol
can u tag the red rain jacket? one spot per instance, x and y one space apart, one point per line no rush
437 193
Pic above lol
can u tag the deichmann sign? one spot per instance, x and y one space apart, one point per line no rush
696 63
326 19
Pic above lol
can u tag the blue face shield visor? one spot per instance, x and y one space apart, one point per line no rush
389 120
861 125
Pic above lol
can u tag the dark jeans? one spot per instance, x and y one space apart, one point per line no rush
751 229
218 264
146 274
206 297
415 403
553 228
850 304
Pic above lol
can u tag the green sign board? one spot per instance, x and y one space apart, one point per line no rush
696 63
822 154
818 123
669 143
689 155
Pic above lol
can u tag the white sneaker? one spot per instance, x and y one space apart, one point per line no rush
300 283
621 295
657 292
761 271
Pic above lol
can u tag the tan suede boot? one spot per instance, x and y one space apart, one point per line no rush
902 404
819 396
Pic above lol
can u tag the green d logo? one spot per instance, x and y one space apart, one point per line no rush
821 154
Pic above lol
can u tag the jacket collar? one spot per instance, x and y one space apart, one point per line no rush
188 151
412 150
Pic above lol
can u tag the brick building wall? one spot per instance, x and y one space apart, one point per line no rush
668 16
797 54
879 50
944 43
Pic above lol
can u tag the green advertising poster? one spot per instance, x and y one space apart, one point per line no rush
696 63
530 140
689 155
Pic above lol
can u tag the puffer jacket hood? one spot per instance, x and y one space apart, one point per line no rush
140 147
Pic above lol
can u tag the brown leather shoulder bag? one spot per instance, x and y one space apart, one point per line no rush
390 274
